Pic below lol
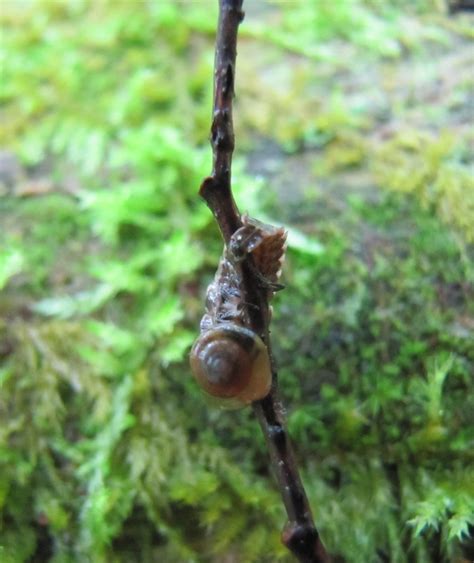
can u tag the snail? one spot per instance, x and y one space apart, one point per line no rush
228 359
231 362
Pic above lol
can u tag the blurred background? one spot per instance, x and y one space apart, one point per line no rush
354 130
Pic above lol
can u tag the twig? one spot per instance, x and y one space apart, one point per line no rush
299 535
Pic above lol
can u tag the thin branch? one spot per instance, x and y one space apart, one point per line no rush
300 534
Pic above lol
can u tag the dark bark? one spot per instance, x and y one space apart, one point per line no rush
300 534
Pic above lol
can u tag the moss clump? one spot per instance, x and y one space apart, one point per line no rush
107 450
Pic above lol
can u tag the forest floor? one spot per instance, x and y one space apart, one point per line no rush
315 128
353 112
363 143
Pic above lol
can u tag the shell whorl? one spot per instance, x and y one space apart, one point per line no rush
231 362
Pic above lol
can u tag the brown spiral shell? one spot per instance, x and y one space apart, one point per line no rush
231 362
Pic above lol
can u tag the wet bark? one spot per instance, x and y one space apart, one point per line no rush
299 534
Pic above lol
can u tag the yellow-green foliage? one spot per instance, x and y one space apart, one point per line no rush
431 168
108 452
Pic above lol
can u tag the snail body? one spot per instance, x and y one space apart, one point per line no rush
228 359
231 362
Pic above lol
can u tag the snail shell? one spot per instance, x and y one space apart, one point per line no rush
231 362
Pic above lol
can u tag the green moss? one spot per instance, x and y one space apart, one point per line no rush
107 450
432 170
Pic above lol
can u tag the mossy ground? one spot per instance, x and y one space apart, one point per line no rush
354 129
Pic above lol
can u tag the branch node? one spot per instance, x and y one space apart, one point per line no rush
303 540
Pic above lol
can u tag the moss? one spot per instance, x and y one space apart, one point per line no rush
431 169
108 452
